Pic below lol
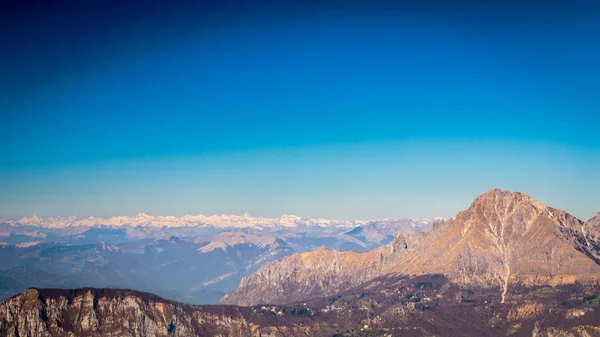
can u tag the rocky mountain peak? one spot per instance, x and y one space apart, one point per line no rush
504 202
507 215
503 238
595 221
500 209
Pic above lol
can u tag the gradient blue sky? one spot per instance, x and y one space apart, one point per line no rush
327 109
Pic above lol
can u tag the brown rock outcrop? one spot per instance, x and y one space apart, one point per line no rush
119 312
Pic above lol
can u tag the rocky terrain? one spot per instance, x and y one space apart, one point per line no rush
426 305
111 312
501 240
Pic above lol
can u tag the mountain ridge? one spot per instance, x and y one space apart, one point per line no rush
201 264
502 238
224 221
220 221
387 306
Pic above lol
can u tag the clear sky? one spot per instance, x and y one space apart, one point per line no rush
324 109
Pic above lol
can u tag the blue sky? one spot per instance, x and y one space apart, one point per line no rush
318 109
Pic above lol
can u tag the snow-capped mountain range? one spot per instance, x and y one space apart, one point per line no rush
200 220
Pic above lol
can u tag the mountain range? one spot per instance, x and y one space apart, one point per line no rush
506 266
503 238
193 262
200 220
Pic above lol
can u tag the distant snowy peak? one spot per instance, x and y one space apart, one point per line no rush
399 225
200 220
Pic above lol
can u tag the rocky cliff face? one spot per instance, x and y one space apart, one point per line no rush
390 306
503 238
115 312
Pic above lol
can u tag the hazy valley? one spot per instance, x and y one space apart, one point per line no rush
193 259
